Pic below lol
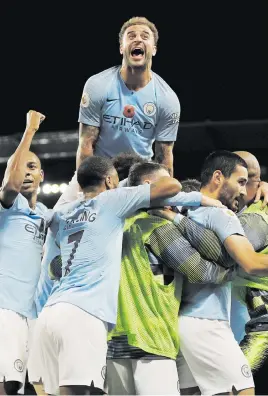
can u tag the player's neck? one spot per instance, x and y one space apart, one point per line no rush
135 78
32 199
89 194
210 191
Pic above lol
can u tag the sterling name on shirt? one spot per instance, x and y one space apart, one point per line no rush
86 215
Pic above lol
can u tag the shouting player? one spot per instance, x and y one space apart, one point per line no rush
126 108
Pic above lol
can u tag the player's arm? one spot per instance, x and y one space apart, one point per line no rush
126 201
229 229
208 244
166 191
164 154
204 241
262 193
167 128
256 229
90 117
164 188
193 198
243 253
169 245
16 166
88 136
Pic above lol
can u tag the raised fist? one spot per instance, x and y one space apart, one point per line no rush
34 120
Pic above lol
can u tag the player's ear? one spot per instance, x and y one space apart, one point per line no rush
217 177
154 50
146 181
121 49
42 175
108 182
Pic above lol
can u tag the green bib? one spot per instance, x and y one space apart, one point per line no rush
147 309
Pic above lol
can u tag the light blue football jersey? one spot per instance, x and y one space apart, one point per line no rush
46 286
89 234
90 238
45 283
211 301
22 233
105 102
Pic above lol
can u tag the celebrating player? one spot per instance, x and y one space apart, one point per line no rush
127 108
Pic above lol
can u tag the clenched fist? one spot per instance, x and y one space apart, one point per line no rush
34 120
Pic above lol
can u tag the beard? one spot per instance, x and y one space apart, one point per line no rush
227 197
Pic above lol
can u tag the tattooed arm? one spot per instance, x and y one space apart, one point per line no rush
164 154
88 136
90 110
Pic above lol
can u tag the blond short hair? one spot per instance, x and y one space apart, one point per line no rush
139 21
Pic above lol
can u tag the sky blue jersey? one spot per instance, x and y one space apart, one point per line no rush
22 233
154 113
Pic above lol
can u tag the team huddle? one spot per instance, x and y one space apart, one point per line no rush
134 283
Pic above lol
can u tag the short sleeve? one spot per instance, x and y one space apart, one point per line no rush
169 117
126 201
224 223
20 204
91 102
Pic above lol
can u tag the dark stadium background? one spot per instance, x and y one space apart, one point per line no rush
213 54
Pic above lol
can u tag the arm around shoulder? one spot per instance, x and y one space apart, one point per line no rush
243 253
165 187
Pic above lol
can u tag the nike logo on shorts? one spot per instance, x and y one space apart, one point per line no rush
111 100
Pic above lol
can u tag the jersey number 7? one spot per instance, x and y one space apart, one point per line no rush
76 238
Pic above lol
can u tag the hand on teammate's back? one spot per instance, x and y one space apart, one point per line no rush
263 193
164 213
